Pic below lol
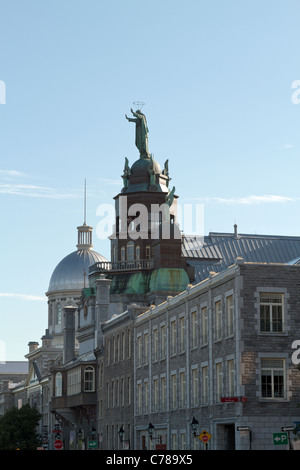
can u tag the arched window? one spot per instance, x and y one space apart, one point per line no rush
58 384
130 251
114 254
89 379
123 253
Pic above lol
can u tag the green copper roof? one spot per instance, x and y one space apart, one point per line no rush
136 283
160 280
168 280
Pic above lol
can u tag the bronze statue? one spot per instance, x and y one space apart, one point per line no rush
141 132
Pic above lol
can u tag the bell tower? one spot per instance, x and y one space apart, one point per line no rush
146 243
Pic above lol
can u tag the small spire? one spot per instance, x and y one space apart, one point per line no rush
84 222
84 231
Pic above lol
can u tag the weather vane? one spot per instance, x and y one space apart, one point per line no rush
138 104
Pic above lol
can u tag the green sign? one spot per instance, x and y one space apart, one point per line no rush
92 444
280 438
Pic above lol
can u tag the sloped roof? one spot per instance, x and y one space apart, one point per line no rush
216 251
14 367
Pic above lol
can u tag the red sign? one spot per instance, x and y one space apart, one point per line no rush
58 444
205 438
233 399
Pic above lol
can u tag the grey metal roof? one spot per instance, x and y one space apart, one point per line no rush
217 251
69 273
14 367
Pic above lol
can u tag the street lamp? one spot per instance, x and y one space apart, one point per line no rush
151 432
194 426
121 433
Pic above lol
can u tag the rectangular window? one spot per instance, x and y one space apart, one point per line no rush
183 441
218 320
163 341
204 326
271 312
146 397
163 389
194 335
204 385
139 351
155 395
181 334
174 391
230 310
272 378
173 338
194 390
174 441
146 352
231 378
107 395
74 381
122 398
219 381
129 390
139 399
182 390
155 345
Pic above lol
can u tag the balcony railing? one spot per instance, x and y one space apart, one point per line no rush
132 265
135 265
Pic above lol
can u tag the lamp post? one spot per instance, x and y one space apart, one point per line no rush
121 433
150 430
195 426
79 441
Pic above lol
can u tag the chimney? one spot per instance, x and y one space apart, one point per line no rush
235 231
33 345
69 334
102 306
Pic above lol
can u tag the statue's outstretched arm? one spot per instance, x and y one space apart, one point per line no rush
130 119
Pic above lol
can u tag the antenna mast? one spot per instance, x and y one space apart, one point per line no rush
84 223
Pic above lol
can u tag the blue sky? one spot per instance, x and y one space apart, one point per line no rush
216 78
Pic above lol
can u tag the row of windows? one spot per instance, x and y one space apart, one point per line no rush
118 392
271 321
118 348
272 385
177 332
131 252
178 389
74 382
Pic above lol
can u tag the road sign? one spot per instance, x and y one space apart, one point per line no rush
280 438
204 437
92 444
287 428
243 428
58 444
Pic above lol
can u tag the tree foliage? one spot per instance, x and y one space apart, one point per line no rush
18 429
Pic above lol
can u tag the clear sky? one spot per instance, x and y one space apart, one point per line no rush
216 78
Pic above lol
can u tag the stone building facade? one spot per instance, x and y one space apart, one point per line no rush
174 329
219 352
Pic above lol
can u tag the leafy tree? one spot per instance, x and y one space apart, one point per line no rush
18 429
